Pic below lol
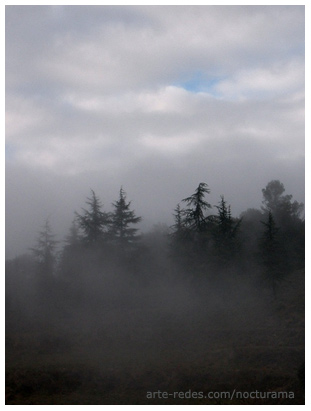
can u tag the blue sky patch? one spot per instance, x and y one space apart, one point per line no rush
199 82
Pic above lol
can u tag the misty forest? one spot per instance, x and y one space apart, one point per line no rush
211 303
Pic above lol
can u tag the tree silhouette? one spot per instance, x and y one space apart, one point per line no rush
270 252
285 211
179 228
72 253
180 235
190 236
122 218
287 215
194 214
225 232
93 222
73 238
44 250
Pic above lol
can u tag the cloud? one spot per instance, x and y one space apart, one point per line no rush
155 98
280 79
108 49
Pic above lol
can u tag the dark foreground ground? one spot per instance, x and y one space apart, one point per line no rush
124 361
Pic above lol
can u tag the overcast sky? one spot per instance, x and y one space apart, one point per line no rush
156 99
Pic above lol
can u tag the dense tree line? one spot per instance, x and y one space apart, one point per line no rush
104 250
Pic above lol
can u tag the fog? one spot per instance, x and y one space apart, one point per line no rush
211 302
154 203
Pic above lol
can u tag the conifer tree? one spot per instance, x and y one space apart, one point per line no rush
227 226
179 228
44 250
94 222
178 235
72 254
122 219
191 232
195 217
270 252
73 238
225 232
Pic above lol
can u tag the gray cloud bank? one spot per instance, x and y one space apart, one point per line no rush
154 98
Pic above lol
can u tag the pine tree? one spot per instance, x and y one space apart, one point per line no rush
72 254
93 223
270 252
227 226
225 232
73 238
179 228
191 234
178 233
122 218
44 251
195 218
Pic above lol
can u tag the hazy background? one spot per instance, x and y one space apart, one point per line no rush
156 99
